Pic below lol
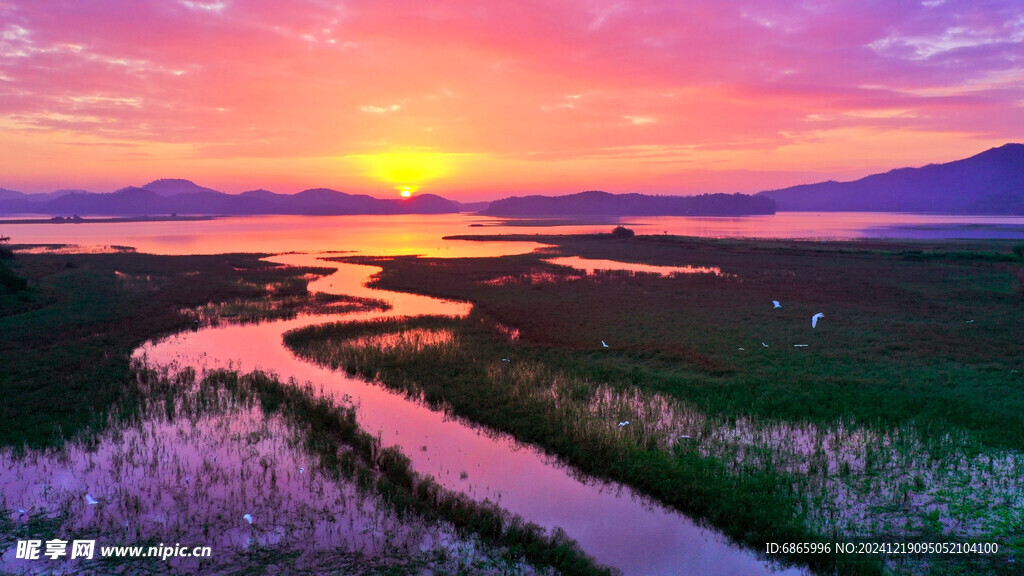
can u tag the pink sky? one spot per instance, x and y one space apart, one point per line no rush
475 99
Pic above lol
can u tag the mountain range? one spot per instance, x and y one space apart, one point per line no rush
175 196
988 183
597 203
991 182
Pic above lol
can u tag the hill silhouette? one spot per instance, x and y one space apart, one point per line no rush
176 196
597 203
988 183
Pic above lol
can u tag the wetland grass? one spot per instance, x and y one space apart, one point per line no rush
196 454
182 457
900 420
71 331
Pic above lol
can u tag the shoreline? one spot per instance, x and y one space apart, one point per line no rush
111 220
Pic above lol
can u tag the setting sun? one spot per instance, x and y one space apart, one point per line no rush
407 170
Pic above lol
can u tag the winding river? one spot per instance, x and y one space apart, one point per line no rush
611 522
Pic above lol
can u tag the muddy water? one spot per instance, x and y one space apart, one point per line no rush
609 521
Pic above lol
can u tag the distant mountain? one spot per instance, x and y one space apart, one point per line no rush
59 193
174 186
989 183
473 206
172 196
595 203
126 201
6 194
265 195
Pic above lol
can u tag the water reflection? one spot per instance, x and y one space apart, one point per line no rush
422 234
220 473
590 266
610 522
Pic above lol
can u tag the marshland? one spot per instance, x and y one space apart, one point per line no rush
898 419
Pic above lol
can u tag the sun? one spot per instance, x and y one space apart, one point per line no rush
407 170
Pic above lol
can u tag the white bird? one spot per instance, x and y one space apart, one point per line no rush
506 360
302 470
741 348
188 481
815 318
247 518
970 321
626 423
685 436
800 345
775 304
603 345
763 344
21 512
90 500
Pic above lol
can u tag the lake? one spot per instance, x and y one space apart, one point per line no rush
421 234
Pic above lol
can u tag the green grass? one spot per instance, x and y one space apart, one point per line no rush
910 388
895 346
67 338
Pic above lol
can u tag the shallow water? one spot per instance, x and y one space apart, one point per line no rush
225 475
611 522
422 234
590 266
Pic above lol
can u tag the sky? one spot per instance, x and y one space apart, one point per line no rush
475 99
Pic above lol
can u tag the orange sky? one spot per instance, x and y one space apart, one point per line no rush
476 99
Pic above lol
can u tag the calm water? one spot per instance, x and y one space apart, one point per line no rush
413 234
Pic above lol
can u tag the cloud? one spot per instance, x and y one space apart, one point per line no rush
529 79
639 120
212 7
380 109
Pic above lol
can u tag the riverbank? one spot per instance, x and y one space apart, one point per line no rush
109 220
177 456
70 332
898 418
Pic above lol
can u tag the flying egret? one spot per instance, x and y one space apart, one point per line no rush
247 518
685 436
302 470
603 345
815 318
800 345
90 500
506 360
21 512
764 345
625 423
775 304
741 348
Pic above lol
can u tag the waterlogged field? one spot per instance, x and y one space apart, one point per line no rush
900 418
227 462
271 477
